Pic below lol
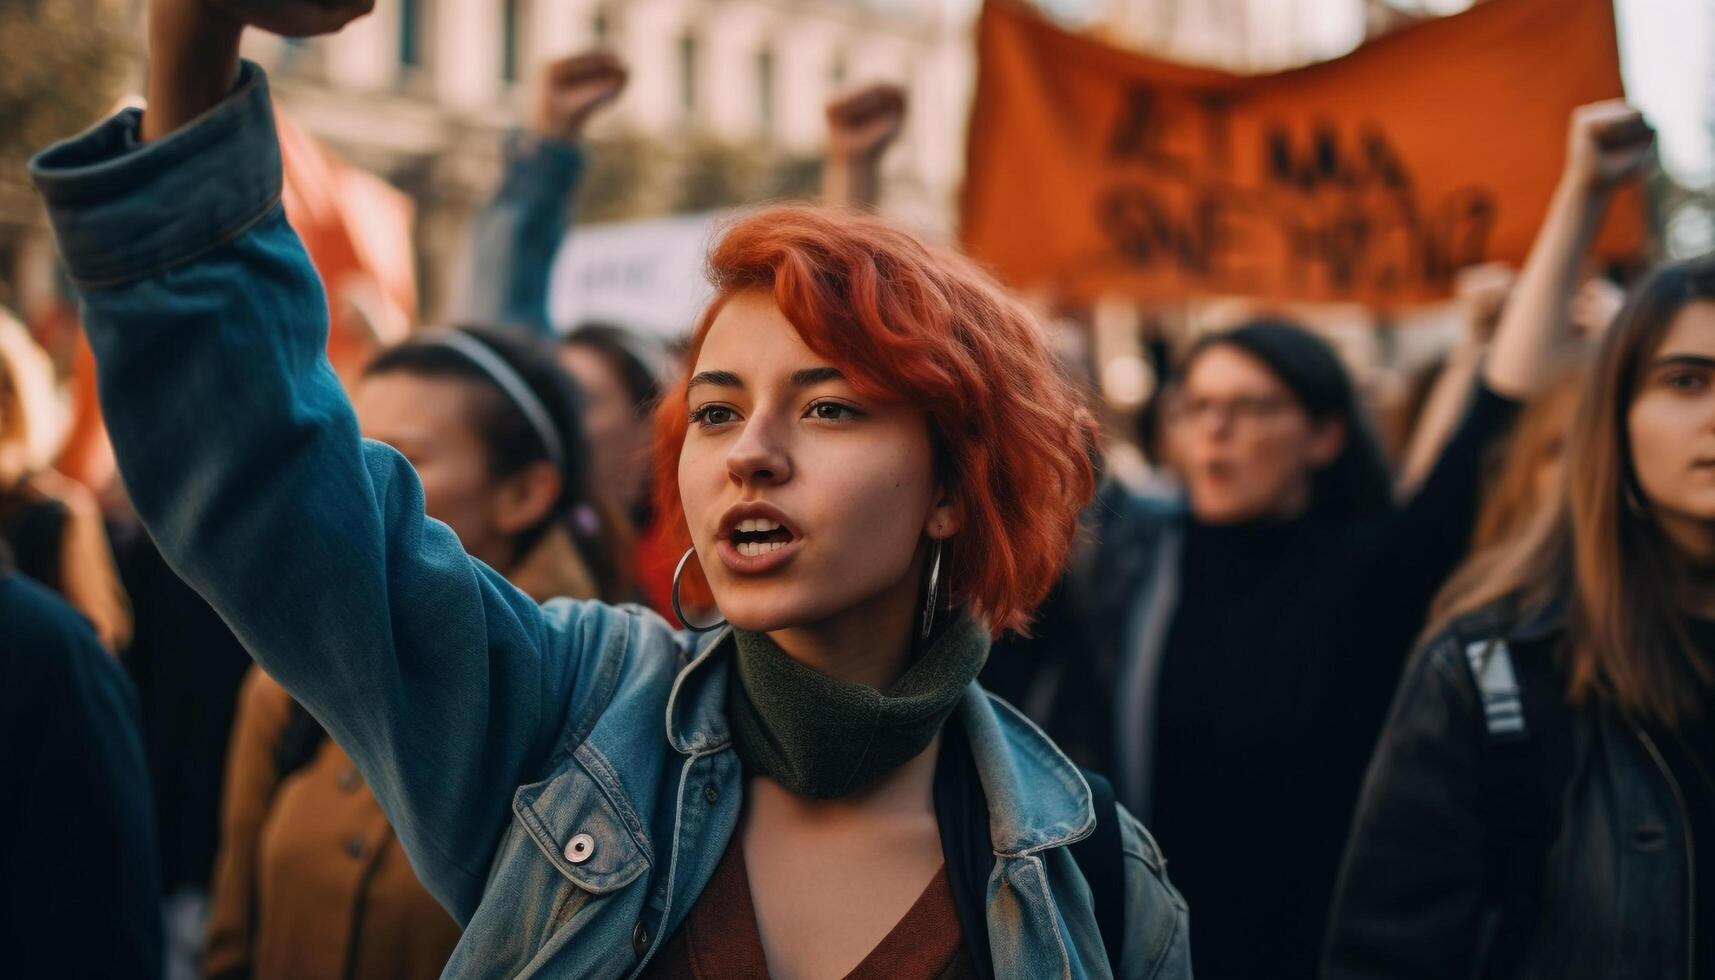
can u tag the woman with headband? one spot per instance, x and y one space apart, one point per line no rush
877 467
310 879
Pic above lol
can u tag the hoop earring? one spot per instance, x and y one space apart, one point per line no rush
679 612
1633 504
934 586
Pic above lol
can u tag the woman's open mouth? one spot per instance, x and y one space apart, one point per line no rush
757 544
759 536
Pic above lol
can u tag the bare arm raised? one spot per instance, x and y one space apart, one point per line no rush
862 124
1608 143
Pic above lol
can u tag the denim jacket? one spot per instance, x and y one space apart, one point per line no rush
562 776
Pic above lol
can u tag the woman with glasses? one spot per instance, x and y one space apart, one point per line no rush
1259 625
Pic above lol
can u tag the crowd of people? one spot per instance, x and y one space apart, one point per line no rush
826 643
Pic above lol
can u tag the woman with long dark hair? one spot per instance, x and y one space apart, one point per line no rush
877 469
1542 803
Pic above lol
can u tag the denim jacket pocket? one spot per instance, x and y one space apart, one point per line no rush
558 882
583 824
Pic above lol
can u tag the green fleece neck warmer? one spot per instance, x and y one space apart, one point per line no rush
824 738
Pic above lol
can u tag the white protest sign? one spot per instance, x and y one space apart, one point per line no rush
645 275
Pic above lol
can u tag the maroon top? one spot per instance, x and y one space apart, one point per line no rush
720 939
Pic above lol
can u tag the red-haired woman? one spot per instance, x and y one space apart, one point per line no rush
878 467
1543 800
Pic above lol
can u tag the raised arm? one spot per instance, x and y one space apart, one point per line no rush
862 124
515 235
242 455
1482 291
1608 143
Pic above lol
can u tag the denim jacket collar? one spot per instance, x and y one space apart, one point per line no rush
696 708
1014 759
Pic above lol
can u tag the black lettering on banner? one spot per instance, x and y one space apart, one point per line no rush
1141 134
1341 204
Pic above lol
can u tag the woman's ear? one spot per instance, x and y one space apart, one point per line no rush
524 498
945 518
1327 442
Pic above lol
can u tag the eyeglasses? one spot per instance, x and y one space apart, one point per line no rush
1247 409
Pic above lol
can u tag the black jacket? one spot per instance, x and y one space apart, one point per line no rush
80 887
1232 682
1561 852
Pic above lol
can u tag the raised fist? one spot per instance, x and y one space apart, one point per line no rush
193 48
294 18
1595 305
1608 142
1483 289
862 122
569 90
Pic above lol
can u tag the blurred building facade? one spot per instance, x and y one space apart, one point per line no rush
1240 35
725 101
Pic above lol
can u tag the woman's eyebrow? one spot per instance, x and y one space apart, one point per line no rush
1686 360
802 378
814 376
719 379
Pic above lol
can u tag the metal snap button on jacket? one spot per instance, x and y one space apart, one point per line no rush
579 848
640 939
711 795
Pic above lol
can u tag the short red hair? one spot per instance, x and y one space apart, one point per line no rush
904 320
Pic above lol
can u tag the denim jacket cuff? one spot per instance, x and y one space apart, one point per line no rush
540 168
123 210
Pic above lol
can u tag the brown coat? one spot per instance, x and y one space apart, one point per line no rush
310 881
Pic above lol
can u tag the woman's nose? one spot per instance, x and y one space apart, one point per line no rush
759 456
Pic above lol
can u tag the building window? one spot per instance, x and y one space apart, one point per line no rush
412 21
509 27
688 73
765 90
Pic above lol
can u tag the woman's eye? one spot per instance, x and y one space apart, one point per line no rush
711 415
1687 381
832 412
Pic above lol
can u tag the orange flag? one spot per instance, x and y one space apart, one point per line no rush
1370 178
357 230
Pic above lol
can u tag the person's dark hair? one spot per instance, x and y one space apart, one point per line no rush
1153 416
1357 482
1600 550
637 359
513 444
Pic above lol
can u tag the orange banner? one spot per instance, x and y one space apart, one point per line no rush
1372 178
